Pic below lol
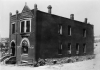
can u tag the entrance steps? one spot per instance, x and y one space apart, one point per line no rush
4 58
25 60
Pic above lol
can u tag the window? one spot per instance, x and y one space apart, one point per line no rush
22 26
69 30
84 48
60 49
13 28
25 26
69 48
84 32
60 29
24 47
77 48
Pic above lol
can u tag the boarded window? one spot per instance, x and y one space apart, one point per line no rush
13 28
69 30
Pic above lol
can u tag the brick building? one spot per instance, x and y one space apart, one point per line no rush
36 34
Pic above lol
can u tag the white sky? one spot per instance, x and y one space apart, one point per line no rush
80 8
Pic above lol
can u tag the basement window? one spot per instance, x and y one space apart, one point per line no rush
69 30
25 26
13 28
69 48
77 48
60 50
84 48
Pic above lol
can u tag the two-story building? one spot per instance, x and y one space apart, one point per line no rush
36 34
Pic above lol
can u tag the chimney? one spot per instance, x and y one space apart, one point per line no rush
10 14
35 6
72 16
85 21
17 14
49 9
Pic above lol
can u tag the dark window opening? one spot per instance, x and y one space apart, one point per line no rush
84 32
69 48
27 26
60 49
13 28
13 49
77 48
84 48
22 26
69 30
60 29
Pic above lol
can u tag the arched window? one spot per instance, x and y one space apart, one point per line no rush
12 48
24 47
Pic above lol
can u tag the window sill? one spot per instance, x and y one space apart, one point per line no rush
24 54
25 34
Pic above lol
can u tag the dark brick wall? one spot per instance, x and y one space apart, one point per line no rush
48 37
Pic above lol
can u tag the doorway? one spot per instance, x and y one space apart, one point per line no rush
13 48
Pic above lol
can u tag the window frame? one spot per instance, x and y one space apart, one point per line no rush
25 20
